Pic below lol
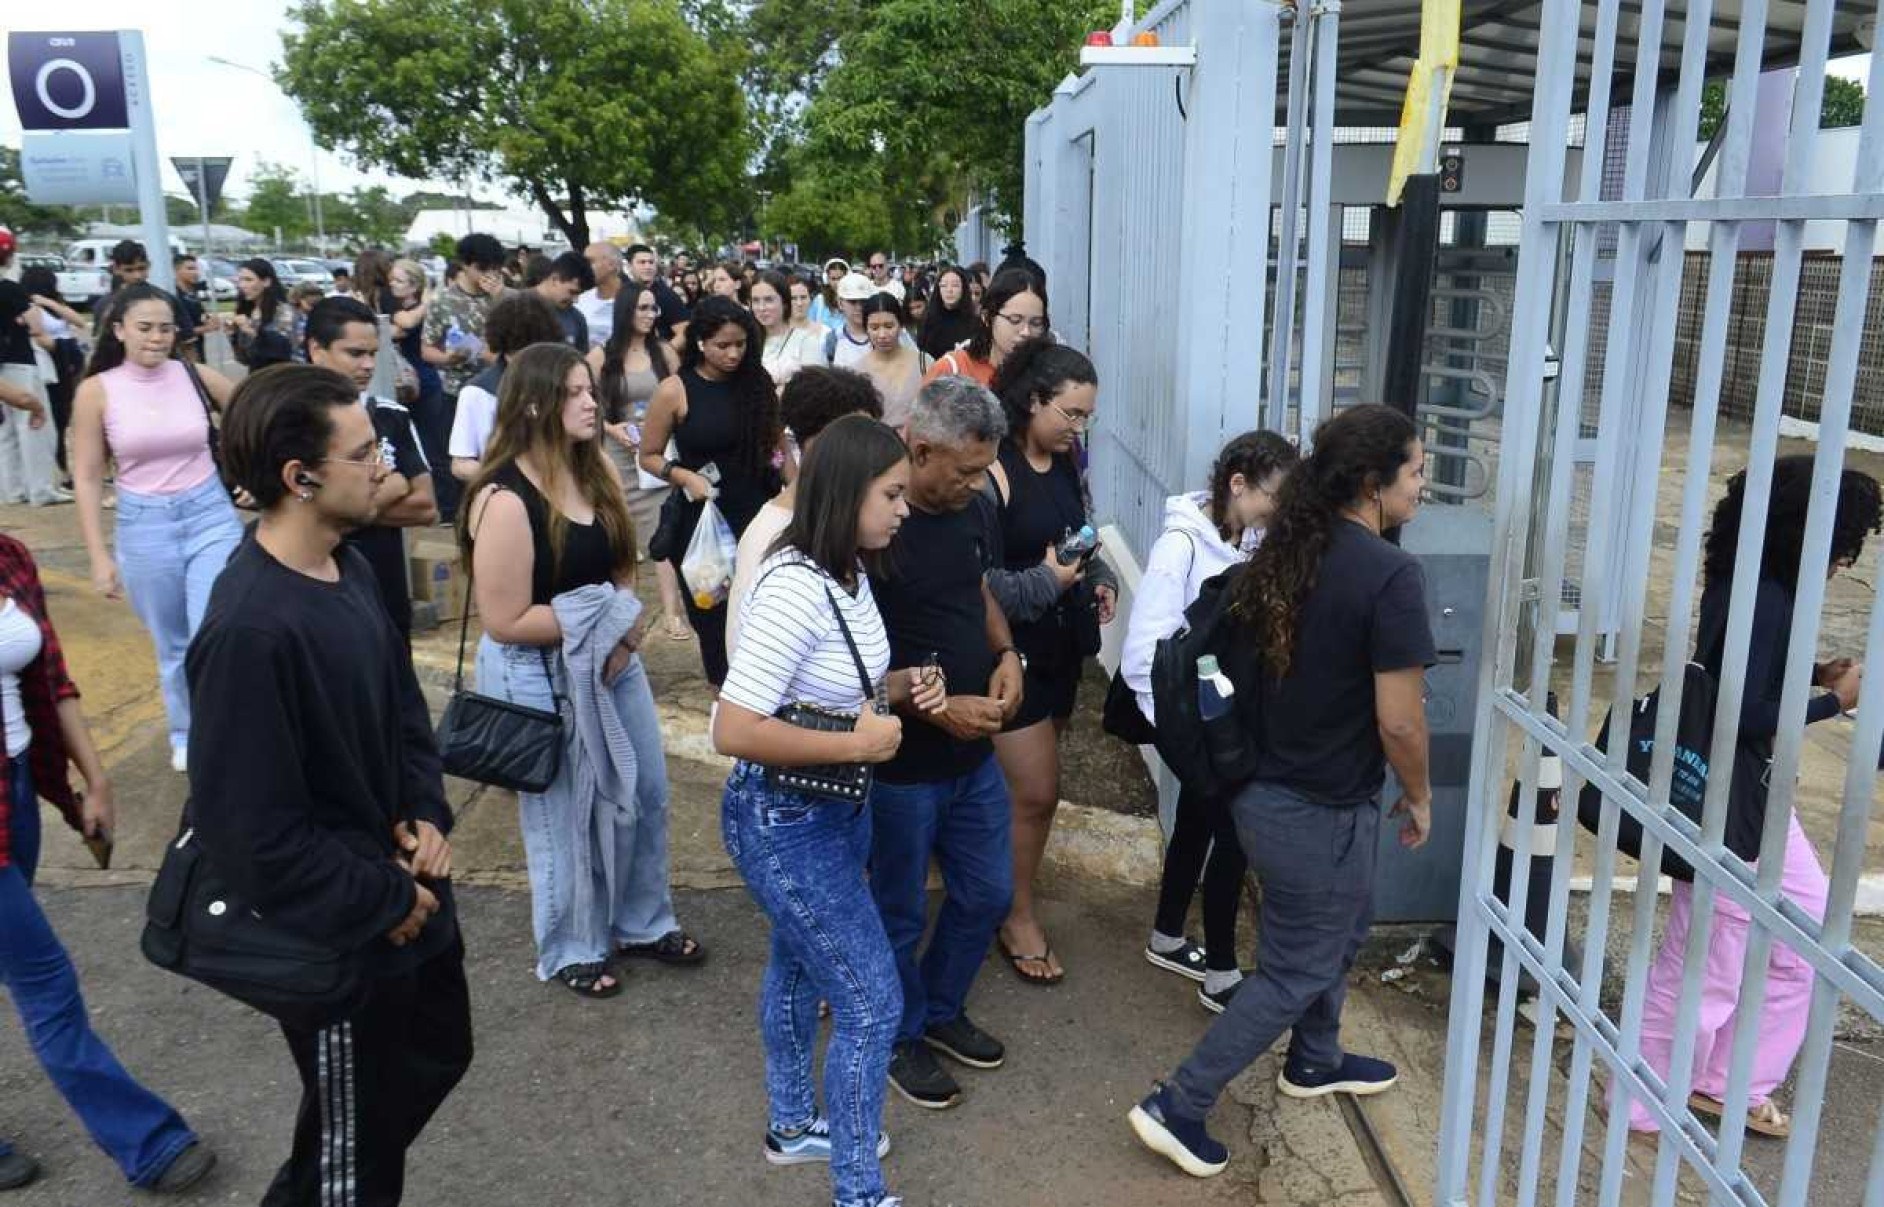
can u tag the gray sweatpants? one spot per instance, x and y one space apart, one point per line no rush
1316 863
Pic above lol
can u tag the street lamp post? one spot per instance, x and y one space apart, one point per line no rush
313 151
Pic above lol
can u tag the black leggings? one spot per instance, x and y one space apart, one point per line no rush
1203 828
709 625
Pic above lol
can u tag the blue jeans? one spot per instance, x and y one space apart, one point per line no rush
643 906
803 861
137 1129
1316 864
170 550
966 824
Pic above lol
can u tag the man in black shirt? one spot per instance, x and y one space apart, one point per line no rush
343 335
316 789
191 323
943 795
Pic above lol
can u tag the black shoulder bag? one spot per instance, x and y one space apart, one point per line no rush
209 420
494 741
196 927
848 782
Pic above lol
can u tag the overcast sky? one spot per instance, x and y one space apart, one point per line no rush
207 109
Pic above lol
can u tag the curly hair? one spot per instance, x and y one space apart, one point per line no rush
818 396
1034 373
517 320
1860 513
1360 448
1255 455
750 383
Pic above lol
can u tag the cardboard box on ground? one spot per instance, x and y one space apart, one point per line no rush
438 578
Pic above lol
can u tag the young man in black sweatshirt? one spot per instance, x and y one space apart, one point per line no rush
316 787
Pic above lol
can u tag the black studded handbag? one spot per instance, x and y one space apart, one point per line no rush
847 782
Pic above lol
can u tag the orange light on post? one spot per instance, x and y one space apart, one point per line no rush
1099 37
1145 39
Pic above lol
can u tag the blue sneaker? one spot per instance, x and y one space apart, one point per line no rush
1360 1075
809 1144
1183 1141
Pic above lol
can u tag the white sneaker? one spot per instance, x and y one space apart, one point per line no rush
180 759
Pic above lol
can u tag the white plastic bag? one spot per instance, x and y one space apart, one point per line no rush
707 566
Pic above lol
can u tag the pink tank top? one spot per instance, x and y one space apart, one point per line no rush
156 429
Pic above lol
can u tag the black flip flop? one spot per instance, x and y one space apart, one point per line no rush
1015 961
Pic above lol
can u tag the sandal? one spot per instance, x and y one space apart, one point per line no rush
1015 961
1765 1118
585 980
674 947
676 628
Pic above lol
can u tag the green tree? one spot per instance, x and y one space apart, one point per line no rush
26 217
1843 105
909 109
373 217
277 203
580 104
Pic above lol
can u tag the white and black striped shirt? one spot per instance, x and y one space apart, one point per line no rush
790 648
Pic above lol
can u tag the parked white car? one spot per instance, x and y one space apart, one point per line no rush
79 286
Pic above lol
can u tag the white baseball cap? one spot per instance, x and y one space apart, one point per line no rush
856 287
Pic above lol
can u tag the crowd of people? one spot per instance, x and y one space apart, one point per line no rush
913 604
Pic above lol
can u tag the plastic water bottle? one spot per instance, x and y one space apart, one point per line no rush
1076 545
1215 692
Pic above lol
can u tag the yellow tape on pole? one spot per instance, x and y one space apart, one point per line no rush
1428 89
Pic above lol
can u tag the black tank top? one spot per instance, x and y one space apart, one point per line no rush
1040 506
587 558
713 431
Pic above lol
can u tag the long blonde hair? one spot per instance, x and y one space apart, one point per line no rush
416 271
529 420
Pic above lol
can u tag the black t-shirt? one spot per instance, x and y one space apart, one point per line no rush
16 342
930 594
673 309
190 317
384 548
1366 613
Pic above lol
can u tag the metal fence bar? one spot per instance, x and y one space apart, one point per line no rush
1851 207
1314 387
1529 347
1724 238
1835 415
1282 328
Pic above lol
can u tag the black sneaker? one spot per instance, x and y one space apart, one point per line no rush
919 1077
1186 960
17 1170
962 1041
186 1169
1184 1142
1359 1075
1217 1002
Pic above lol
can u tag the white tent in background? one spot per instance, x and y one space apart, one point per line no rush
515 227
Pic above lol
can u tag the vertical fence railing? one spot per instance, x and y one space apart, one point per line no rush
1649 216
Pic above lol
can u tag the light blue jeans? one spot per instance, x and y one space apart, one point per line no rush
170 550
643 906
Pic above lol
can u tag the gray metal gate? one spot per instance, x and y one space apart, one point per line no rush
1653 55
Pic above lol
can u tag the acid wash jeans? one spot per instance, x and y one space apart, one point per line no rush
803 860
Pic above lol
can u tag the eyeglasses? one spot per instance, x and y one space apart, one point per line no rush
1079 421
369 457
1018 321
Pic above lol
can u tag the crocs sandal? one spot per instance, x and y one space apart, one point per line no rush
585 980
1015 961
674 947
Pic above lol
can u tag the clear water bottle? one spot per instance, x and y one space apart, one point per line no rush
1215 692
1075 546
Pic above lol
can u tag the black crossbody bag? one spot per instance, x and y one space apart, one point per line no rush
496 742
847 782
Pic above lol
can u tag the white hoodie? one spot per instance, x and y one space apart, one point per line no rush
1187 552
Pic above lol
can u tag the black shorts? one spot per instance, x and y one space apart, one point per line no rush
1047 692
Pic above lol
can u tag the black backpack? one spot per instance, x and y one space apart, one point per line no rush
1212 758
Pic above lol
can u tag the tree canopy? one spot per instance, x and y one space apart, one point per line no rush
1843 105
578 104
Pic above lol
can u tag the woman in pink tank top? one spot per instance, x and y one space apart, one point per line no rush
139 409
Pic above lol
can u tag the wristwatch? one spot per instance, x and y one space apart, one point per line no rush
667 470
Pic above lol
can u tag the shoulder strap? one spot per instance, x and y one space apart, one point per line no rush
863 673
464 621
202 394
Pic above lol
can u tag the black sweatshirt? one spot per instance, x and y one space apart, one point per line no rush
309 739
